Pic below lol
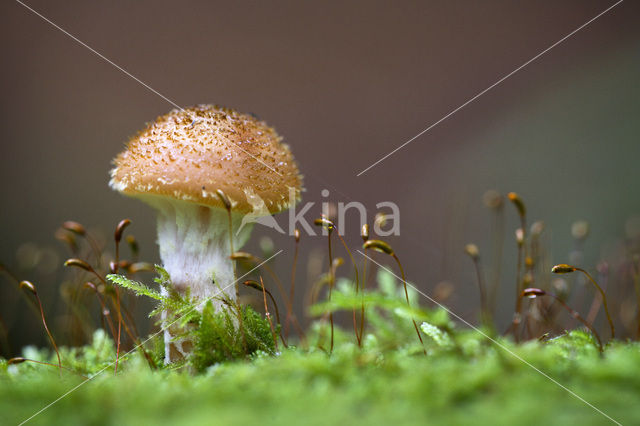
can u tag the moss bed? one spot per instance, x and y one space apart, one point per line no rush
465 378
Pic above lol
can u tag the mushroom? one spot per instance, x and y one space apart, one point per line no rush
179 164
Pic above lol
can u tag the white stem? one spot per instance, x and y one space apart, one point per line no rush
195 248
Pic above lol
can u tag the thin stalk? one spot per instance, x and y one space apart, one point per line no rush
104 310
262 288
355 267
594 308
316 287
32 289
314 293
533 293
498 246
364 234
331 284
517 315
486 316
273 302
119 330
521 237
604 300
293 284
235 306
235 309
266 310
577 316
364 285
263 265
406 294
117 236
79 263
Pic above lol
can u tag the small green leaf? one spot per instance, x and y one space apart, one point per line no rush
439 336
138 288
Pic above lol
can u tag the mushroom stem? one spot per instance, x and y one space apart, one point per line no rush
195 247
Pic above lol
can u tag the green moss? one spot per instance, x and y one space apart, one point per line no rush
352 386
219 337
465 378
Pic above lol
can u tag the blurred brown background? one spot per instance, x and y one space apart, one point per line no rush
344 83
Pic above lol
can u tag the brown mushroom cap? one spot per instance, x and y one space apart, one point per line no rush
189 154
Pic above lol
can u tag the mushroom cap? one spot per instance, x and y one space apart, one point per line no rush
189 154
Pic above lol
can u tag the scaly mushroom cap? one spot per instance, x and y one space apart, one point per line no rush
189 154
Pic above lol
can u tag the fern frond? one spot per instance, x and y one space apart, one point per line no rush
138 288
